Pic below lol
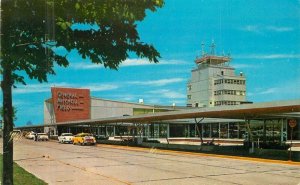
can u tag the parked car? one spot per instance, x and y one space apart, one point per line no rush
42 137
84 139
65 138
30 135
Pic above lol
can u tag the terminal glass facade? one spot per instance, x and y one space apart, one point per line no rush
262 131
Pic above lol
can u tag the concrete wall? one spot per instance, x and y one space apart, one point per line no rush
100 108
49 116
107 108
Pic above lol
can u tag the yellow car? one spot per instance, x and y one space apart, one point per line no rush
84 139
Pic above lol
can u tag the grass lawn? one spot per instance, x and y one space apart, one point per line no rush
21 176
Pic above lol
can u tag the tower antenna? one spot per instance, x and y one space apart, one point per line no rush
212 46
202 48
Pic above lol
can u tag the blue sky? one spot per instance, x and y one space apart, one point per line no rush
262 37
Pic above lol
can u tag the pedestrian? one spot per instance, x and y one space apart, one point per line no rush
35 137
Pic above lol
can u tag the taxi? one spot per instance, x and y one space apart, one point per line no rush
84 139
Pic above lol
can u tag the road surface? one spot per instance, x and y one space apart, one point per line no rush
105 164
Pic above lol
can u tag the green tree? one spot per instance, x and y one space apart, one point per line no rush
32 29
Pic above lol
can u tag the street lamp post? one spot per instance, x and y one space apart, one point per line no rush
292 124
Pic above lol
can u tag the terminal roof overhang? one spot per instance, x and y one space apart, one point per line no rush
266 110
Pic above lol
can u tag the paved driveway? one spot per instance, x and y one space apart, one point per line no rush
104 164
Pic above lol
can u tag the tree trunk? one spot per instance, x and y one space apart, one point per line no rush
6 85
199 132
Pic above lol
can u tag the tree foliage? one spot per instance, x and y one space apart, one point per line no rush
32 28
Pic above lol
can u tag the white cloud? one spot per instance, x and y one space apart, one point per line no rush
268 56
251 28
288 90
85 65
160 82
250 94
244 66
126 63
39 88
261 29
168 93
153 101
100 87
173 62
136 62
127 98
279 29
269 91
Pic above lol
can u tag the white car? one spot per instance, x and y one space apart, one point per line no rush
42 137
66 138
30 135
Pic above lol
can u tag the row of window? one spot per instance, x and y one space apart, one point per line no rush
229 81
230 92
226 81
218 103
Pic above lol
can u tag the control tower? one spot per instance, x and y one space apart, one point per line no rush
214 82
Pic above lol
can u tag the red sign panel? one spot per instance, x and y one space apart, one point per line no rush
71 104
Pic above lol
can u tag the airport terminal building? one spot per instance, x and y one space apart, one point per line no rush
68 105
214 87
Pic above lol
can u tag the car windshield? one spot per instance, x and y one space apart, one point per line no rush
84 134
67 134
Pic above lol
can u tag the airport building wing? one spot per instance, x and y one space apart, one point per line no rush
245 111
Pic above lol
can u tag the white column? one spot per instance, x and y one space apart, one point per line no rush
281 130
210 130
228 130
158 130
168 130
202 130
238 128
219 130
